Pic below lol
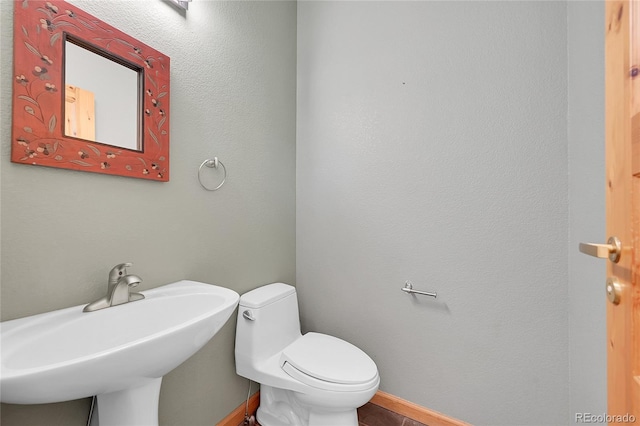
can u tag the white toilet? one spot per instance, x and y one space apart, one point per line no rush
310 380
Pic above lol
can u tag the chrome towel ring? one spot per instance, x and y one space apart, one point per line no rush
212 164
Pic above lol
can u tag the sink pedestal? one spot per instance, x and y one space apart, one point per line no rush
130 407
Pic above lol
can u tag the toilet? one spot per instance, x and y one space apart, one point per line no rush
305 380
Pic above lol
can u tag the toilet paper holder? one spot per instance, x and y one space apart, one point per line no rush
408 288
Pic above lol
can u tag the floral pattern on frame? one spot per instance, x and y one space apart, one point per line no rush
38 137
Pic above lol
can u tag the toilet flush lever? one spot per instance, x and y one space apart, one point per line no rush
248 315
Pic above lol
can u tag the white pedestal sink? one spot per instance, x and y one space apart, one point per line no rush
119 353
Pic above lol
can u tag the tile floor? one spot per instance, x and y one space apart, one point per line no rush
374 415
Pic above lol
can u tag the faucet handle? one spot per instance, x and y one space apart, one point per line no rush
118 271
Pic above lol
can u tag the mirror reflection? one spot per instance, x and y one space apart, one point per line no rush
101 98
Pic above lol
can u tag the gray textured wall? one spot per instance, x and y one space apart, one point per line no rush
432 146
421 127
233 96
587 300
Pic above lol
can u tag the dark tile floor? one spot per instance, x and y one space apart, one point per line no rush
374 415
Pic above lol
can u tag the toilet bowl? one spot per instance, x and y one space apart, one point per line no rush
305 380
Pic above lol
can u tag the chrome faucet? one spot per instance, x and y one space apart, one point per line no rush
119 290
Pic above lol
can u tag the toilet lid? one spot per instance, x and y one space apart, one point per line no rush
324 358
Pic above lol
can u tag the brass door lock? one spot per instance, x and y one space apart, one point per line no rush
613 290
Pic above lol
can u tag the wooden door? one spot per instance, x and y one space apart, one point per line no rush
622 109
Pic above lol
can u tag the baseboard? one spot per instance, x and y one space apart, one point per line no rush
414 411
382 399
236 417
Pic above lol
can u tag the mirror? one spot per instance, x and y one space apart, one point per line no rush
86 96
101 97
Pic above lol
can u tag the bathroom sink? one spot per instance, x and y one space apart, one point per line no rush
120 352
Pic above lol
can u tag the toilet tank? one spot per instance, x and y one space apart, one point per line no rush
275 324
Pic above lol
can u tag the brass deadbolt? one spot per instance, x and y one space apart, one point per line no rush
613 290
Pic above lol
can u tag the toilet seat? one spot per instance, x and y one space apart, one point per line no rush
329 363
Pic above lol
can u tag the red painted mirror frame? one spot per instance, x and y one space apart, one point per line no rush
38 136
